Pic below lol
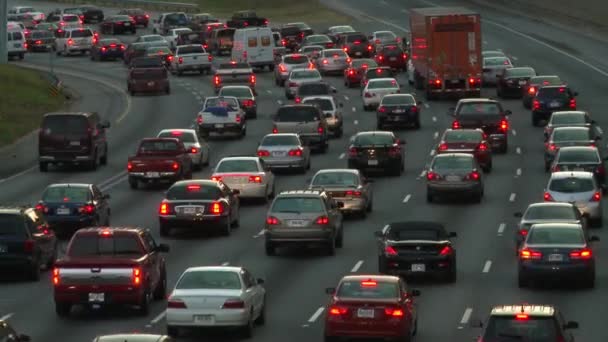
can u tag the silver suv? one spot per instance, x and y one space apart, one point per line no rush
579 188
304 217
307 121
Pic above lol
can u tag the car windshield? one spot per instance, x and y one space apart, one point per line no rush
453 163
324 104
374 140
510 329
82 34
66 194
65 125
194 192
184 50
158 146
298 205
560 235
462 136
225 280
304 74
553 93
237 165
280 140
11 225
520 72
568 119
231 104
295 59
572 185
93 245
346 179
495 61
413 234
368 289
236 91
546 212
385 35
308 89
479 108
404 100
580 156
571 135
184 137
382 84
297 114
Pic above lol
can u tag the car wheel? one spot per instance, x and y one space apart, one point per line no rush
417 124
93 163
227 229
144 305
331 247
165 230
590 280
62 309
270 248
104 160
247 330
522 281
43 166
161 289
261 320
33 274
133 183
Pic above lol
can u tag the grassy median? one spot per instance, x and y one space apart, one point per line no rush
24 97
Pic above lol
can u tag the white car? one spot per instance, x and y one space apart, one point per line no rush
492 67
16 45
216 296
21 9
74 40
156 39
375 90
250 175
198 150
410 71
297 77
171 36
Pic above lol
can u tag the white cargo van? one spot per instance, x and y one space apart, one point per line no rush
16 45
255 46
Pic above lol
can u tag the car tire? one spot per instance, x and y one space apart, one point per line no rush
160 292
331 247
478 197
172 331
227 229
63 309
261 319
144 305
382 269
33 273
43 166
270 249
104 160
330 338
92 165
417 123
133 183
451 275
165 230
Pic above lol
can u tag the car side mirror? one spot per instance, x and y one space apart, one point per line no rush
476 323
236 191
105 124
414 293
260 281
508 112
106 196
330 290
23 338
571 325
518 214
163 248
594 238
452 234
379 234
340 204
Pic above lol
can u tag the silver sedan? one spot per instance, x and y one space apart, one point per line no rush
249 175
284 151
289 63
579 188
492 67
198 149
332 60
216 296
348 186
297 77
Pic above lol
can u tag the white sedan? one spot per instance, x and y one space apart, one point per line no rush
375 90
216 296
172 35
249 175
198 149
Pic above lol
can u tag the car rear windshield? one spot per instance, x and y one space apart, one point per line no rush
65 125
67 194
368 289
553 93
520 72
572 184
404 100
236 91
495 61
382 84
298 205
290 31
318 39
352 38
559 235
571 135
508 328
70 18
295 59
93 245
453 163
297 114
324 104
158 146
342 179
392 50
210 280
476 109
334 54
374 140
413 234
364 63
462 136
580 156
105 42
42 34
11 224
280 140
237 165
385 35
194 192
379 72
148 74
234 66
304 74
176 19
184 137
182 50
309 89
568 119
82 34
550 212
230 103
122 18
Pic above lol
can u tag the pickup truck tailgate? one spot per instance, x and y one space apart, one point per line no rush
157 163
234 77
96 276
194 59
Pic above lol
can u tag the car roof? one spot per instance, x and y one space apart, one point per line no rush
466 130
571 128
130 338
235 269
69 113
416 225
353 171
195 182
382 79
375 133
533 310
571 174
301 193
569 112
318 97
550 204
556 225
69 185
451 155
281 135
239 158
480 100
376 277
120 229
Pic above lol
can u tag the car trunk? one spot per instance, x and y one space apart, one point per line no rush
237 180
98 270
298 221
205 299
373 152
63 209
556 254
189 208
420 248
278 152
589 167
366 309
490 124
454 175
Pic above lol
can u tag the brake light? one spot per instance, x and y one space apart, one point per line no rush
521 317
263 153
311 66
56 278
165 209
455 125
175 166
320 129
252 79
531 90
345 49
394 151
137 275
272 221
432 176
255 179
572 104
322 220
597 196
368 94
473 176
42 208
233 303
552 147
404 56
380 58
535 105
369 283
443 146
180 60
209 57
298 99
237 118
547 197
353 151
382 109
351 72
147 16
216 80
529 254
122 47
283 42
338 311
216 178
370 48
275 130
447 250
266 22
584 254
217 208
295 153
436 83
282 68
504 125
483 147
353 193
174 303
70 42
523 232
194 150
170 58
28 246
38 42
325 61
390 250
348 60
393 312
199 119
87 209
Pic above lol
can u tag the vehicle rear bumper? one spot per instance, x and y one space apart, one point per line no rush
531 270
163 176
79 48
221 128
314 139
300 237
59 223
227 318
386 163
114 295
63 157
117 54
366 329
293 162
16 262
251 190
398 120
193 67
466 187
193 222
433 265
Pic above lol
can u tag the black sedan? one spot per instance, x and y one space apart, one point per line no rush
398 110
161 52
376 150
139 16
117 24
512 81
107 49
416 248
40 40
91 14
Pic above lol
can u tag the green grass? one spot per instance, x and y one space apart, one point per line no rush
24 98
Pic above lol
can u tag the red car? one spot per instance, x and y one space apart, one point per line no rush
355 70
471 141
371 306
392 56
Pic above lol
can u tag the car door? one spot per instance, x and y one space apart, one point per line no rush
251 292
233 200
566 334
267 173
43 241
331 207
101 202
154 258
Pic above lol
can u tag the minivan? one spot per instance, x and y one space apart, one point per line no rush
73 138
255 46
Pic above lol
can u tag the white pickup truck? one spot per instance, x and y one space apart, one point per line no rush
222 115
191 57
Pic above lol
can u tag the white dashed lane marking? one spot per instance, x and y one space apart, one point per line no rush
434 118
158 318
225 263
342 156
466 316
280 102
514 132
518 172
512 197
426 105
407 198
356 122
435 135
518 150
346 98
487 266
6 317
385 228
432 153
354 109
316 315
357 266
501 228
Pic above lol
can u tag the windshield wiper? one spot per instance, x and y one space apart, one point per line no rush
511 336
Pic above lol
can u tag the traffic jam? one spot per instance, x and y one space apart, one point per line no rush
93 264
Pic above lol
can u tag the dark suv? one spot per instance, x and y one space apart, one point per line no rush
314 89
292 37
487 115
551 99
72 138
355 44
26 241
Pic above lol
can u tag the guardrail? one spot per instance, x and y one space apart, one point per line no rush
144 4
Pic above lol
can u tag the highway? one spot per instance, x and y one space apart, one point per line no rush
295 281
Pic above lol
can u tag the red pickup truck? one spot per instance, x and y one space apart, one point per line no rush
159 160
108 266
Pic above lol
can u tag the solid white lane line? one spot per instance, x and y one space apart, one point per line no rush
434 118
426 105
512 197
159 317
225 263
518 172
435 135
466 316
407 198
6 317
385 228
342 155
518 150
432 153
501 228
514 132
357 266
280 102
354 109
487 266
356 122
316 315
18 174
346 98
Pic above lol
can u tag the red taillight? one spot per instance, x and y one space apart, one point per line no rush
237 118
447 250
404 56
194 150
353 152
322 220
103 49
348 60
170 58
272 221
165 209
325 61
394 151
42 208
122 47
129 166
473 176
483 147
528 254
174 303
597 196
233 303
600 170
584 254
523 232
252 79
370 48
38 42
432 176
443 146
547 197
175 166
199 119
367 94
338 311
532 90
295 153
217 208
393 312
353 193
382 109
180 60
455 125
275 130
137 276
255 179
413 109
298 99
56 278
504 125
263 153
283 42
351 72
552 147
436 83
87 209
216 80
216 178
572 104
248 103
535 104
70 42
282 68
320 129
390 250
380 58
28 246
345 49
209 58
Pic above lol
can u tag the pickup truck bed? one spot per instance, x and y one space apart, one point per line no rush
234 74
222 119
159 160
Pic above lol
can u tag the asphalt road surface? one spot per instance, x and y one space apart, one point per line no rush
296 281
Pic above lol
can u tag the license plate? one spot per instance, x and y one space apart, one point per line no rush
204 319
358 53
3 249
152 174
452 178
522 82
556 257
219 125
74 143
127 24
96 297
296 223
554 104
63 211
278 153
150 84
190 210
372 162
399 111
418 267
365 313
392 59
